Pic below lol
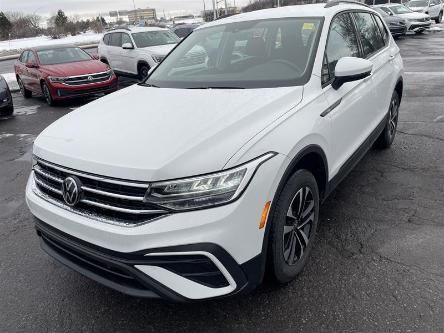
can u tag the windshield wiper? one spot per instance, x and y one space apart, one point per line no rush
216 87
148 85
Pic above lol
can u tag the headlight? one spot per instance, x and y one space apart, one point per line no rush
207 190
157 58
55 79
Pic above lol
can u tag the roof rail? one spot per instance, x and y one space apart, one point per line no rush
120 28
333 3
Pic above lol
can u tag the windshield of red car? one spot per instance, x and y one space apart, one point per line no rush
62 56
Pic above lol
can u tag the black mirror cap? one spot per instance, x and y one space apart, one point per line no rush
339 81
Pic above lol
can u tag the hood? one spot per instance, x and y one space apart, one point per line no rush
162 50
418 9
394 19
146 134
413 16
75 68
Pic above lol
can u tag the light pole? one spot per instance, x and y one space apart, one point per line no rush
214 10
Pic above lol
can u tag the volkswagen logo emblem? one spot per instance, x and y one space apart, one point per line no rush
71 190
90 78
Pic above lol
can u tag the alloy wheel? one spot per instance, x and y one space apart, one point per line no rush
298 226
47 94
393 116
21 87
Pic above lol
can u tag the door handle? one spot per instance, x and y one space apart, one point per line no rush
391 57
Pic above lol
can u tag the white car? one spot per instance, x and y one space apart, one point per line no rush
187 186
134 51
415 22
434 8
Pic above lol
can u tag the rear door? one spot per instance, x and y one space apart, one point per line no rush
115 45
352 104
22 70
33 73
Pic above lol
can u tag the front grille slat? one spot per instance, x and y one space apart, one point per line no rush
110 200
84 79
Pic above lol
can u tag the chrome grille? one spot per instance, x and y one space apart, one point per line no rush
107 199
87 79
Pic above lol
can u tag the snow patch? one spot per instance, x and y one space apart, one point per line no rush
20 44
5 135
25 110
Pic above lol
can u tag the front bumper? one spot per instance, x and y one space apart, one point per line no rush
419 26
398 30
227 238
61 91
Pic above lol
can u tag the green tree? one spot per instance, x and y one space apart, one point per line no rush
5 26
60 21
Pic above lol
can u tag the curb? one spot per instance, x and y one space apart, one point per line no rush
15 56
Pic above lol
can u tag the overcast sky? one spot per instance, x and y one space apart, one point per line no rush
71 7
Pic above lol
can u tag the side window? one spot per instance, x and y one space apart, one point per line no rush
31 58
126 39
371 38
116 39
386 10
383 29
24 56
106 39
342 42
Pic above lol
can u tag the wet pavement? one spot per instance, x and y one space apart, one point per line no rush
377 266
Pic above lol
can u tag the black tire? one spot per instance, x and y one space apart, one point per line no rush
439 18
387 136
7 111
420 32
142 71
47 94
293 234
25 92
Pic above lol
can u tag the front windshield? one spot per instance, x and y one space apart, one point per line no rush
251 54
418 3
400 9
62 56
381 11
154 38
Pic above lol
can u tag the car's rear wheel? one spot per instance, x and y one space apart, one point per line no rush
25 92
387 136
47 94
439 18
293 226
143 70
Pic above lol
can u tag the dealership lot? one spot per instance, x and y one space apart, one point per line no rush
378 264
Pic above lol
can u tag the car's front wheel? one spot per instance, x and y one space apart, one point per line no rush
47 94
439 18
143 71
293 226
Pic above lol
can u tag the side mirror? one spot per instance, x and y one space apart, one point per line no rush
391 14
127 46
31 65
350 69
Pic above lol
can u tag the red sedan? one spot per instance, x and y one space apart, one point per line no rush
61 72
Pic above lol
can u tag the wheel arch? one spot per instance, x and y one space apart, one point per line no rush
312 158
142 62
399 87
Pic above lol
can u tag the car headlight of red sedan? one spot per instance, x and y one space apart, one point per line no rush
55 79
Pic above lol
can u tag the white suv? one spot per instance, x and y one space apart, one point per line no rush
433 8
133 52
218 168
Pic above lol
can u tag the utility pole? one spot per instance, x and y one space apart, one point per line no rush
226 8
214 10
278 3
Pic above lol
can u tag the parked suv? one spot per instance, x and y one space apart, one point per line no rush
224 172
416 22
434 8
133 52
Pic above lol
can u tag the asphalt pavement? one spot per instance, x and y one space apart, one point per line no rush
377 266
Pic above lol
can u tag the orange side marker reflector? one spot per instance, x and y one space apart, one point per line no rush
264 215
